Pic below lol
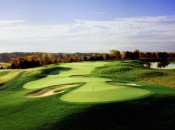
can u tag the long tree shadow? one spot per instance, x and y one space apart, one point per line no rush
56 70
149 113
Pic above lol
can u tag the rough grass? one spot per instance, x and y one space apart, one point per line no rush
156 77
137 73
167 81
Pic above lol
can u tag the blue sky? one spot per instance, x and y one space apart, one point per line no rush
87 25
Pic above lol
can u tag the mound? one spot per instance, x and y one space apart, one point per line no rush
96 92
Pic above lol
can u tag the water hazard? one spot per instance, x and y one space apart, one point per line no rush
160 65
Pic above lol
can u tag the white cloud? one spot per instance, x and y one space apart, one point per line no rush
10 22
86 35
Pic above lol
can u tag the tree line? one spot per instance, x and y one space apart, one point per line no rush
30 60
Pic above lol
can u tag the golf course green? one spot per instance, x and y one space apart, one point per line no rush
93 95
96 89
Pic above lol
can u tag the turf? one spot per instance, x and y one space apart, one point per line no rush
18 112
6 75
68 73
103 93
95 90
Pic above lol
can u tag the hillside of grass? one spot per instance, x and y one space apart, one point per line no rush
135 71
19 112
6 75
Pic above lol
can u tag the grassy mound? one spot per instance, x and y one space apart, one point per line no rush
103 92
115 70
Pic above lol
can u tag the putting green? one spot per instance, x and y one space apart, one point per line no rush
95 90
98 91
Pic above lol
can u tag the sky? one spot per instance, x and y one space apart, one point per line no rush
86 25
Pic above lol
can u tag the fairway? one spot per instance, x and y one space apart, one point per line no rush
96 89
59 96
6 76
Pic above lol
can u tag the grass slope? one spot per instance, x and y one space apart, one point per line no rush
95 90
21 113
68 73
6 75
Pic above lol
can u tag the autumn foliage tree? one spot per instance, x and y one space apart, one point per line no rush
115 54
40 59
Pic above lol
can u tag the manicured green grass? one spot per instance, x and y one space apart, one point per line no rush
21 113
95 90
68 73
6 75
18 112
102 92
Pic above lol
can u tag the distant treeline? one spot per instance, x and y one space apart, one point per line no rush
28 60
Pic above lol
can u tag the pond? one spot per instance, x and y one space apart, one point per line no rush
160 65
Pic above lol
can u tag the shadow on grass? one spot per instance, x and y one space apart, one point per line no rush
149 113
18 82
55 70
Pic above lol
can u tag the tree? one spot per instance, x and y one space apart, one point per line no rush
84 58
162 55
115 54
105 56
148 55
126 55
153 55
136 54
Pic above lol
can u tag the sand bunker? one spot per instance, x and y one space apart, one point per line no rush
81 76
50 91
123 83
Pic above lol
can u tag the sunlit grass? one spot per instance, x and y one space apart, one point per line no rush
4 65
19 112
8 75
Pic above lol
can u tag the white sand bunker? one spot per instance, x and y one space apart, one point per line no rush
50 91
124 83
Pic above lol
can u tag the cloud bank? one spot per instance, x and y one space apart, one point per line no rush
144 33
